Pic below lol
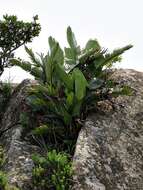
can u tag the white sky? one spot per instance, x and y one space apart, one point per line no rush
114 23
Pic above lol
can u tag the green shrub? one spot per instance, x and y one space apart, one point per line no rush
52 171
71 82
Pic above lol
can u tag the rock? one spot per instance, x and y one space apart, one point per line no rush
109 149
18 164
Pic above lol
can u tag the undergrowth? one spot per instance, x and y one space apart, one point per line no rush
5 94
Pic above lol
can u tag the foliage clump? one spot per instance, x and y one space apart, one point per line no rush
71 82
5 94
52 171
13 34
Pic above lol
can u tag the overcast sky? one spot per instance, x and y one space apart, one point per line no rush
115 23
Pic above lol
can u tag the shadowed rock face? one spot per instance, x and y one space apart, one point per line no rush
109 150
19 164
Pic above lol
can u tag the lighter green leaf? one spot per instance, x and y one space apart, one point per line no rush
80 84
70 98
92 44
64 77
71 38
59 56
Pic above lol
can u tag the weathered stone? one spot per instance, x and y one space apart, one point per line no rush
109 150
18 164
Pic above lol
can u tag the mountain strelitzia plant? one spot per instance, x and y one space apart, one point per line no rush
67 79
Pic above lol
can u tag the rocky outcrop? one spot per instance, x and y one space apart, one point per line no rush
109 150
18 164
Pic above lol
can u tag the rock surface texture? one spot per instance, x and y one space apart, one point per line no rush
109 150
18 164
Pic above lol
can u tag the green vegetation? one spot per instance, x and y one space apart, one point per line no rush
5 93
70 83
52 171
14 34
3 180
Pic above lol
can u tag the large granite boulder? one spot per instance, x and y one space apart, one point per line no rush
18 164
109 149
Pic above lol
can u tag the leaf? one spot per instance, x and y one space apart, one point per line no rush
92 44
36 103
71 38
34 59
69 54
36 72
47 63
64 77
24 65
70 98
115 55
80 84
41 130
76 108
72 53
59 56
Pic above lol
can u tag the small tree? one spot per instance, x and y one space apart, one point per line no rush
13 34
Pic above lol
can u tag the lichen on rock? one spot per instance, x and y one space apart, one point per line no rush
109 150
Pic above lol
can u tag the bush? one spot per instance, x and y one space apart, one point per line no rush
71 82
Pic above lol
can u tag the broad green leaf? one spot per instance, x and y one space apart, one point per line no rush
52 42
59 56
92 44
64 77
76 108
80 84
68 53
71 38
47 63
70 98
